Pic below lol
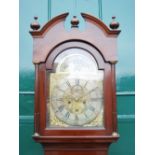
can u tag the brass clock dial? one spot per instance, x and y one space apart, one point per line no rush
79 101
76 91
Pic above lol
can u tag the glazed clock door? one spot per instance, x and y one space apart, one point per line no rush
75 92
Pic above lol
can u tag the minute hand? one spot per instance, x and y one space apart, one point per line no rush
90 91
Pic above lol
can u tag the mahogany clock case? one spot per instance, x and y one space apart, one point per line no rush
99 41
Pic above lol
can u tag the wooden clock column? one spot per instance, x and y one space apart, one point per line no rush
56 52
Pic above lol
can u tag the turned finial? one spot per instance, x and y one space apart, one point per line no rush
35 25
114 25
74 22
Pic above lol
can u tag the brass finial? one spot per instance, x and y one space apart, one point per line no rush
36 134
114 25
74 22
35 25
115 134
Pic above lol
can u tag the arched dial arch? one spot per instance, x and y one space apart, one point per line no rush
99 58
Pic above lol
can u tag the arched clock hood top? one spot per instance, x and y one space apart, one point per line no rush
53 33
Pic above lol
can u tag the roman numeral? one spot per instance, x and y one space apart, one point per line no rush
76 118
59 99
60 108
60 89
67 115
95 99
85 84
68 84
77 81
85 115
91 108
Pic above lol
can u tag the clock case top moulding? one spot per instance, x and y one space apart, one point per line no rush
54 35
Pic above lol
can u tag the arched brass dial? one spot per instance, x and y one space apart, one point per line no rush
76 90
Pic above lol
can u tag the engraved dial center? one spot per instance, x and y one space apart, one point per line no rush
74 98
77 92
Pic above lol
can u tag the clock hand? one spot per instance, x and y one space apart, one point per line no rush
90 92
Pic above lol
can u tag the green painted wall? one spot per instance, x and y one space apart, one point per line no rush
103 9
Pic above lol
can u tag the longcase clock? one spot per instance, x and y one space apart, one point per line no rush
75 102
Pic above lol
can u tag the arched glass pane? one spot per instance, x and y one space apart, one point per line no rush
75 61
75 91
